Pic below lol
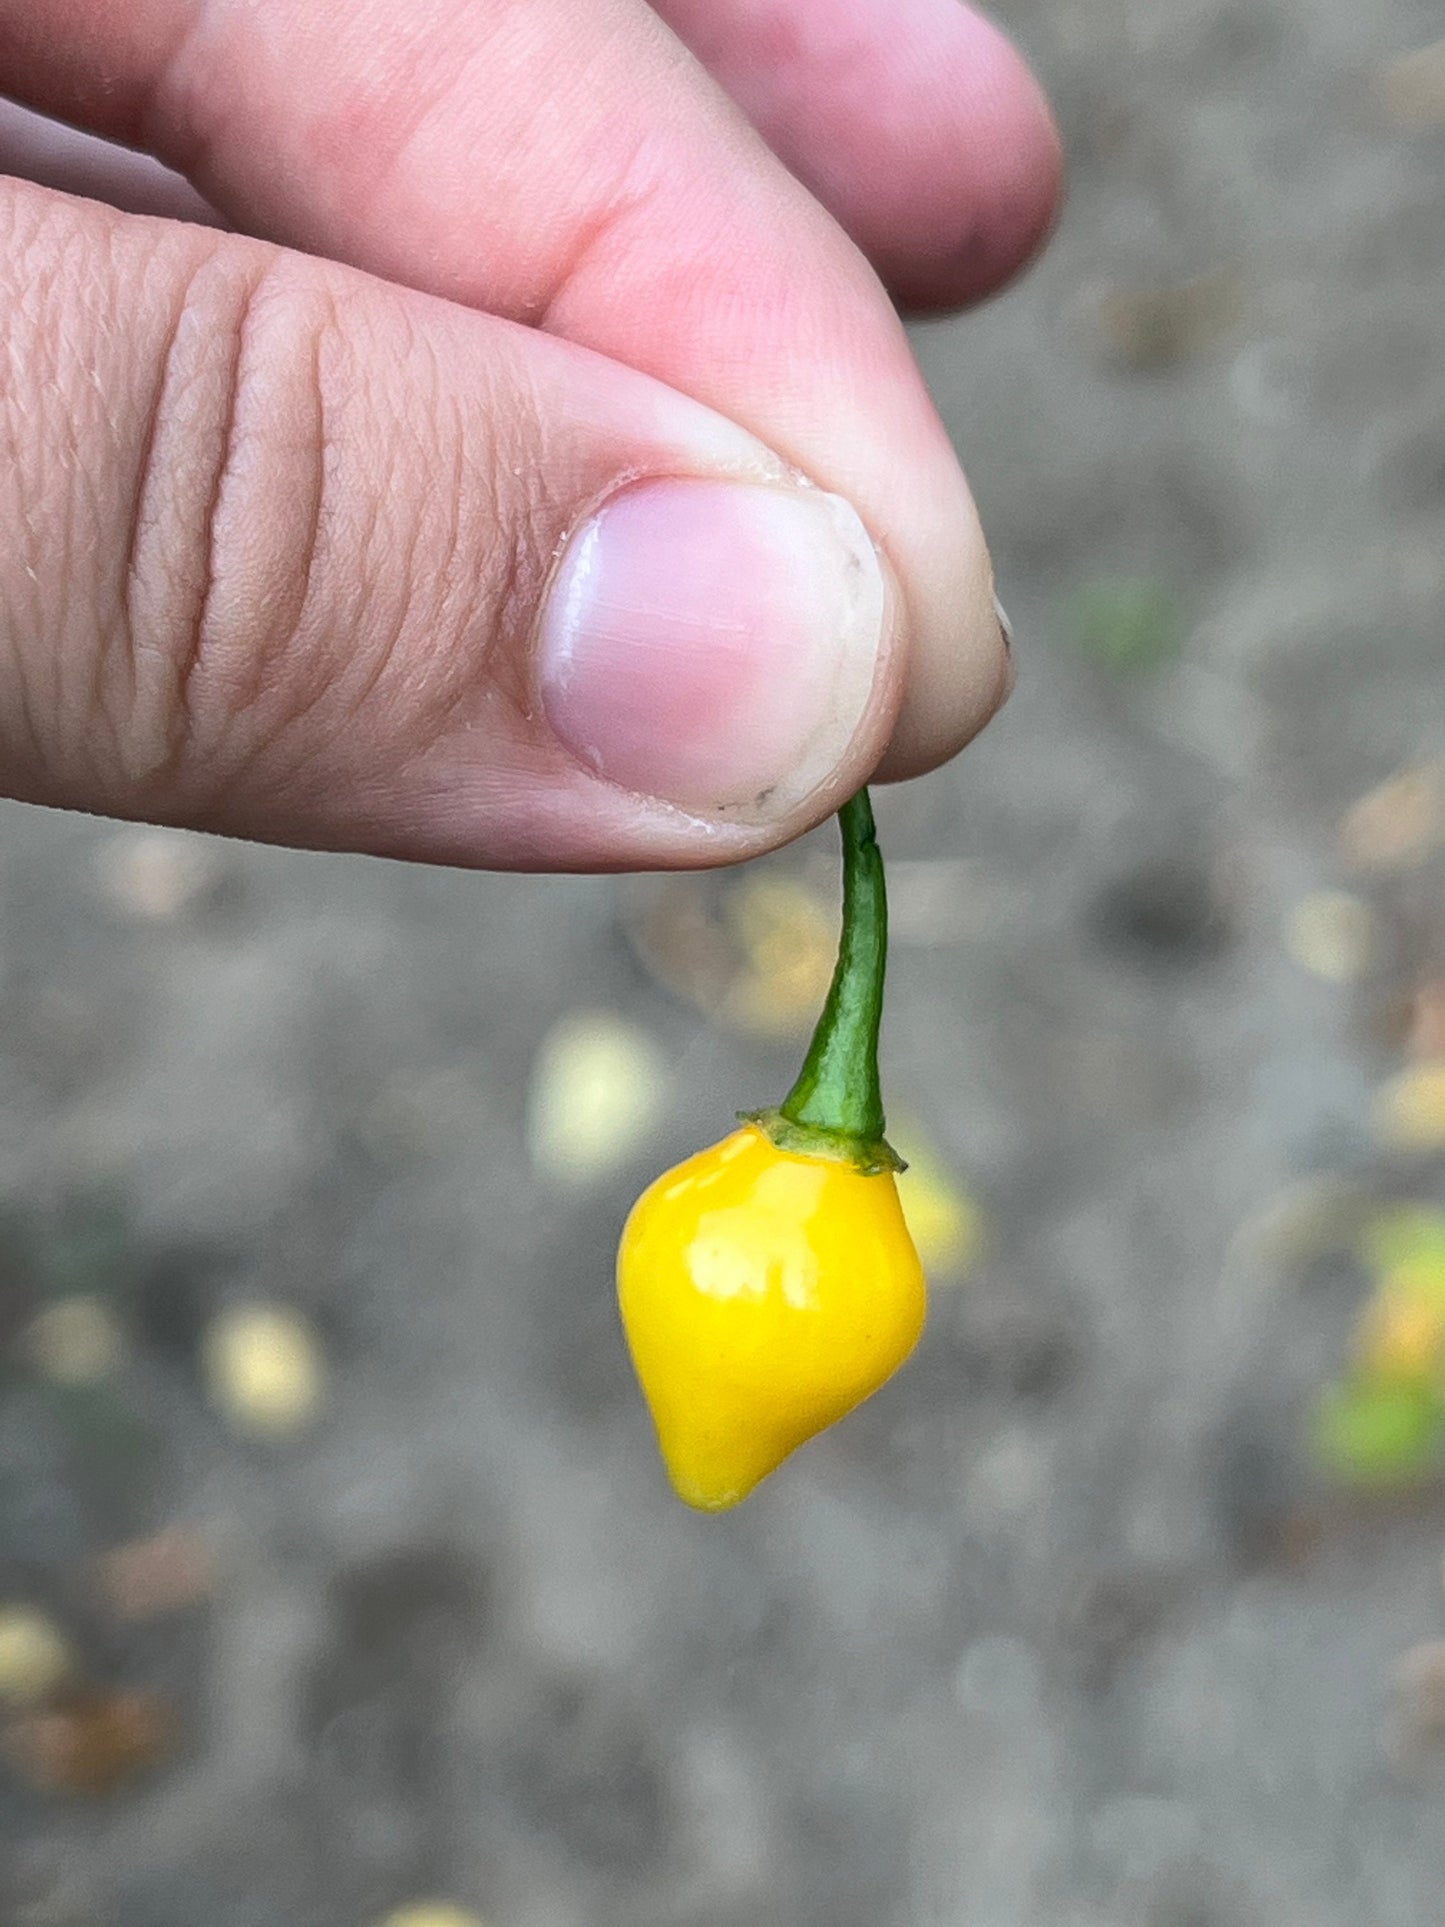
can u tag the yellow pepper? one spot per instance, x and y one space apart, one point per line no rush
769 1284
765 1294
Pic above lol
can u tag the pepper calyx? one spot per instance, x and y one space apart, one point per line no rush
869 1157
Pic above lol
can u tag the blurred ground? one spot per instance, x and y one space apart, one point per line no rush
1070 1628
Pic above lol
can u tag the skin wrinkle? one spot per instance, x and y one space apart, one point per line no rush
414 437
389 138
282 643
195 658
150 479
18 376
282 702
90 425
527 561
186 134
59 445
451 553
339 368
450 602
311 542
398 621
635 192
509 501
511 574
636 179
43 367
162 595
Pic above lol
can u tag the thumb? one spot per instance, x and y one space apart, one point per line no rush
307 557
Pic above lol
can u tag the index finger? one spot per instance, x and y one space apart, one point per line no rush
565 163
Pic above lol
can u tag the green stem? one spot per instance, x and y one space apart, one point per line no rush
837 1093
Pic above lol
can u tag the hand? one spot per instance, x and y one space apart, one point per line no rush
524 468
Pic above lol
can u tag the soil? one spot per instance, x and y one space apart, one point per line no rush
1067 1629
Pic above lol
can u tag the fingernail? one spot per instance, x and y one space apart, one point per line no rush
714 644
1005 625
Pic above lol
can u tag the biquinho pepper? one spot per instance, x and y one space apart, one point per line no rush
769 1285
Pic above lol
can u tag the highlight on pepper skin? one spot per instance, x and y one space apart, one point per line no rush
764 1293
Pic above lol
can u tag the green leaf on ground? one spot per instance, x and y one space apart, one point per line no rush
1378 1435
1129 624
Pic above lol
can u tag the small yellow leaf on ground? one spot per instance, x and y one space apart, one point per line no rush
1331 934
1161 325
35 1655
75 1341
165 1573
1401 1336
1298 1224
432 1913
1406 1237
754 954
155 875
945 1223
678 936
1421 1280
1411 88
263 1369
599 1086
1425 1020
1416 1727
1410 1109
92 1743
788 936
1397 824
